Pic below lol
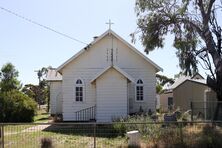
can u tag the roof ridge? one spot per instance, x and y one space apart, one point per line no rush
158 68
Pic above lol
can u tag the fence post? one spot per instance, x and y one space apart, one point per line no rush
181 132
191 107
94 134
2 136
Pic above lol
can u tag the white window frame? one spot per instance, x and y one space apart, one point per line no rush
142 85
83 90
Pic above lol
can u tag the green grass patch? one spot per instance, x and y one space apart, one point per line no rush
199 135
33 139
12 129
41 117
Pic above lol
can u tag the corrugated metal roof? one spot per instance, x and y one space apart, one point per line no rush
53 75
182 79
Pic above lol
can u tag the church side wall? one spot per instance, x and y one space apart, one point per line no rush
56 97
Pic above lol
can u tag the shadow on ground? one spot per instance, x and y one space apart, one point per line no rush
105 131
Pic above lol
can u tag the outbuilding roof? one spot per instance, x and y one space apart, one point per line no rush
183 79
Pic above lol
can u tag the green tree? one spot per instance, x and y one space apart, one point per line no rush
41 76
8 77
16 107
197 34
161 82
38 92
159 88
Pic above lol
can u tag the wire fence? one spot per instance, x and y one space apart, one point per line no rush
85 135
204 110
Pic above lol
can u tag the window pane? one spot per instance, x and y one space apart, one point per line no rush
77 98
77 88
78 81
139 92
79 93
137 98
137 88
139 81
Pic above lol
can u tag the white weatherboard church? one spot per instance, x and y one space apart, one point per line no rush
106 80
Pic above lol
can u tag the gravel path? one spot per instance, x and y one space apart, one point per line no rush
30 129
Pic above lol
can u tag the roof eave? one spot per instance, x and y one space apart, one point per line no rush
117 69
190 81
109 31
59 69
158 68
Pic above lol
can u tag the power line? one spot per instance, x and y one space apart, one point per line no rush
43 26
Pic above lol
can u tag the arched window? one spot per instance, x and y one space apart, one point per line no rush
139 90
79 90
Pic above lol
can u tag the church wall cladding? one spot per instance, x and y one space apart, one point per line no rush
111 105
94 60
138 68
56 92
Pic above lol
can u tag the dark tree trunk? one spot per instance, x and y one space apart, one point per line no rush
216 85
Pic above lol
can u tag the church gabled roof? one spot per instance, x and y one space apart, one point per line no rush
117 69
109 31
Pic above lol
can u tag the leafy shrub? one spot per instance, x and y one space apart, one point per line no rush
149 130
16 107
124 125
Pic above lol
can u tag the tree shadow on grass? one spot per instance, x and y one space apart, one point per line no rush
211 137
104 131
204 136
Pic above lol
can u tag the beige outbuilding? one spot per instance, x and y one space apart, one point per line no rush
193 93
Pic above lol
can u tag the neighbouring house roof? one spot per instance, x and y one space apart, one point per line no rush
197 76
167 91
183 79
109 31
53 75
121 71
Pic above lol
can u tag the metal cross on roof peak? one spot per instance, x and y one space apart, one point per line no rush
109 23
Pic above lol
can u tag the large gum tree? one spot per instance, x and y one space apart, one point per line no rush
196 27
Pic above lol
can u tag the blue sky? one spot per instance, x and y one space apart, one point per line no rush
30 47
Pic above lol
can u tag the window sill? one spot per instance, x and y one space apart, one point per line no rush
139 101
80 102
